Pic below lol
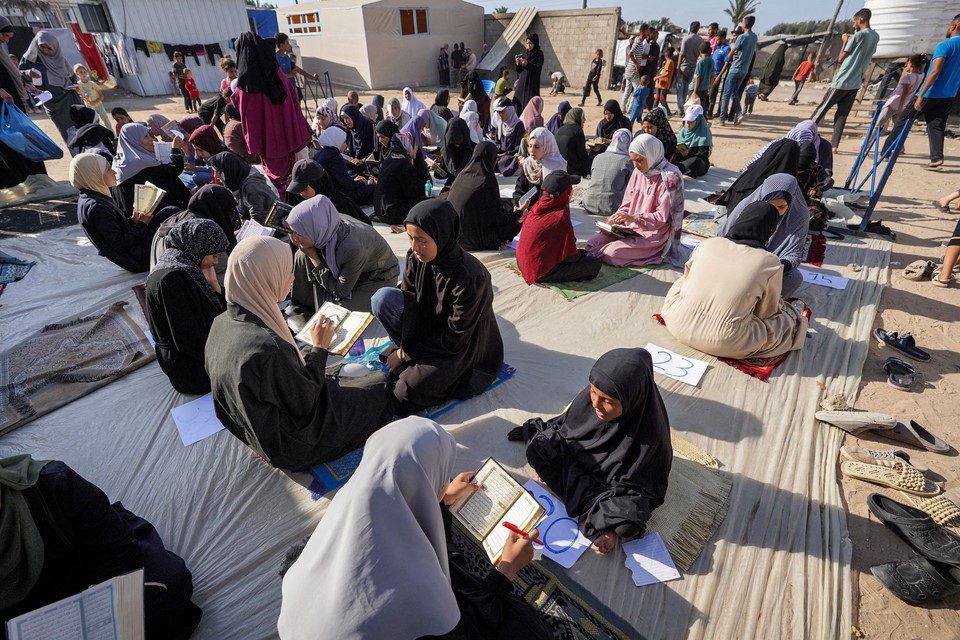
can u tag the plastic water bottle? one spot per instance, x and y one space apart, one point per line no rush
428 189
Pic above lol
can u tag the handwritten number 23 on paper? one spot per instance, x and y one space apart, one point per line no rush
675 366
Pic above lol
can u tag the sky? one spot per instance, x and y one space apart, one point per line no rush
769 12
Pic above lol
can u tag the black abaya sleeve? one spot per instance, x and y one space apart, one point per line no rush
454 336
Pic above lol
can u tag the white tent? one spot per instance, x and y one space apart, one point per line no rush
380 43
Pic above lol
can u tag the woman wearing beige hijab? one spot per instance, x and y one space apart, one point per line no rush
275 397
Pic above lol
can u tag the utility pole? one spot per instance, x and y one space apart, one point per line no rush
823 45
584 4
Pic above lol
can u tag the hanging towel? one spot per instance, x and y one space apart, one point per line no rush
154 46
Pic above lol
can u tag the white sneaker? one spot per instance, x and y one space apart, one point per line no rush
738 120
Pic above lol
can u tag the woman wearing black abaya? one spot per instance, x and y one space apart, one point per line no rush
441 105
487 219
457 149
783 156
472 89
360 138
441 317
573 144
14 168
210 202
608 456
613 119
770 77
399 186
529 66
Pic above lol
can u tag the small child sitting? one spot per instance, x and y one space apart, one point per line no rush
192 90
503 84
640 96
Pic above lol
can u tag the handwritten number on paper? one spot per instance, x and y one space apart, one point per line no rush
677 367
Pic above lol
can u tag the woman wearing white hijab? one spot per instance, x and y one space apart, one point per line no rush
411 104
56 76
543 160
609 176
380 557
266 392
652 208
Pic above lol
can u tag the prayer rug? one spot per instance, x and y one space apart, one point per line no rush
703 227
759 368
608 277
817 250
13 269
67 360
328 476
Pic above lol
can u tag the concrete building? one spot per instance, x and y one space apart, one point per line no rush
368 44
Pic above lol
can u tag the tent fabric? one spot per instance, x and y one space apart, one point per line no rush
779 565
264 21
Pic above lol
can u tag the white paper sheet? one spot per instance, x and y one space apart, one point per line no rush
196 420
649 560
673 365
562 540
251 228
690 241
824 280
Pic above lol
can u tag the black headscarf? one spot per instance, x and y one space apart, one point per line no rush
214 202
607 129
535 39
780 157
386 128
257 67
631 454
440 221
457 146
90 135
475 196
442 98
755 225
378 103
186 246
232 169
81 115
658 118
361 133
807 157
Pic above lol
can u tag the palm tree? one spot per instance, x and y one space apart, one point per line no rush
501 10
740 9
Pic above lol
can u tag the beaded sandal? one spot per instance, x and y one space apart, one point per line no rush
942 510
899 476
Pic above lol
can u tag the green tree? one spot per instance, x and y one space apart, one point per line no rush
501 10
740 9
260 5
807 27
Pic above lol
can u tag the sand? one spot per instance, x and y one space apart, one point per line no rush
929 312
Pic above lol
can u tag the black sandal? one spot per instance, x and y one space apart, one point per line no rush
917 529
918 581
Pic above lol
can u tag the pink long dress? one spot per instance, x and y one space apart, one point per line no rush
275 132
651 200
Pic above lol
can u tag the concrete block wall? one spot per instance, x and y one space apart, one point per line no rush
568 38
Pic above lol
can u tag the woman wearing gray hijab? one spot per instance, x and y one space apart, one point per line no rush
43 56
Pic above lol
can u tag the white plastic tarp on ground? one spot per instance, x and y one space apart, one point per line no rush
779 566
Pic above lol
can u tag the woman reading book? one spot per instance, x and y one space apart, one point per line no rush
652 206
608 456
273 397
122 239
183 297
382 556
136 163
744 318
340 259
61 535
441 318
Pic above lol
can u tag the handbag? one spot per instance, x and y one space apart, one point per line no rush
18 132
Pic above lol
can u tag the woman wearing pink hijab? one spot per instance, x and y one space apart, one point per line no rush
532 115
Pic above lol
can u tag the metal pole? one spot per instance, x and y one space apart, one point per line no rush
833 23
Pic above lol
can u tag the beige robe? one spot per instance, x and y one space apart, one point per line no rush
728 303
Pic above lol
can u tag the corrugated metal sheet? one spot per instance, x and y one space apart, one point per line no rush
514 31
177 22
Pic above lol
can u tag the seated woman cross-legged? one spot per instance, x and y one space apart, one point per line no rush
266 392
441 318
694 143
608 457
744 318
487 219
183 297
648 209
547 249
122 239
340 259
786 243
382 554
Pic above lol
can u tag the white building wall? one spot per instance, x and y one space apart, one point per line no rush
175 22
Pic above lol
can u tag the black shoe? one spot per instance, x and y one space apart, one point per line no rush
917 529
918 581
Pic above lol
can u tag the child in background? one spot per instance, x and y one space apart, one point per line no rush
663 80
556 77
91 92
503 83
750 94
121 117
229 68
804 71
902 96
703 75
640 99
192 90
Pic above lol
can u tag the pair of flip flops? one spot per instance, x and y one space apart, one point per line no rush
931 576
905 344
900 373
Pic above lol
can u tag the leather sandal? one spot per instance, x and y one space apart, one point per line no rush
905 344
916 528
912 433
918 581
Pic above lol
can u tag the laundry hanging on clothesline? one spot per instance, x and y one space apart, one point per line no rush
195 51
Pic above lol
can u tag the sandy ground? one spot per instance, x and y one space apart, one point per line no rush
930 313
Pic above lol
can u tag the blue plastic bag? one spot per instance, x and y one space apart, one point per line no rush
18 132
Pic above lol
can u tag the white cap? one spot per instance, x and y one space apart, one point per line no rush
693 112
